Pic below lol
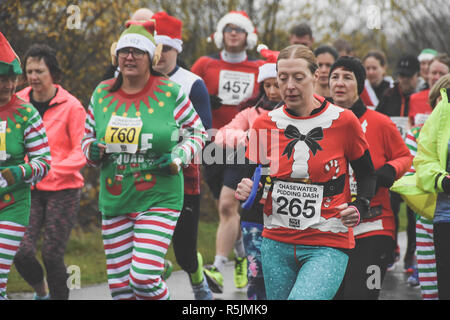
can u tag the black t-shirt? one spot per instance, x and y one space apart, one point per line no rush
381 89
41 107
393 101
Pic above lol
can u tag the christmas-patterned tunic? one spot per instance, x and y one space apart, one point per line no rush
308 159
137 129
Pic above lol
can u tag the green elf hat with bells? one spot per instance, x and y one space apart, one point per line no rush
140 35
9 61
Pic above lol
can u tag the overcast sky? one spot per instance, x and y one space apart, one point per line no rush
372 14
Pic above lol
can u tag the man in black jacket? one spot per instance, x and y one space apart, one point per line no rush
395 101
395 104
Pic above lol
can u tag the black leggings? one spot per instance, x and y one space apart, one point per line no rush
441 234
411 236
396 200
54 213
185 234
368 260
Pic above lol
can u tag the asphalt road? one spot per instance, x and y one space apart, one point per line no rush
394 286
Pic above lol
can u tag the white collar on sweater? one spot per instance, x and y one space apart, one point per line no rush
233 57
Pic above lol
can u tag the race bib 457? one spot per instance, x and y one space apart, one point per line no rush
235 87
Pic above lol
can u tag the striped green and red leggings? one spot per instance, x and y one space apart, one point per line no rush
135 246
11 235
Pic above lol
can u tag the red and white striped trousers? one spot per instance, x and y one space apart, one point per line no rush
135 246
11 235
426 260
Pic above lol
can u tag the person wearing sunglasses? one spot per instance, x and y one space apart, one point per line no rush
234 136
141 130
231 78
141 14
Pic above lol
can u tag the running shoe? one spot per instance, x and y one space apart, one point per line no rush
397 254
198 275
168 268
240 272
36 297
202 290
409 264
391 266
214 278
408 270
413 280
198 282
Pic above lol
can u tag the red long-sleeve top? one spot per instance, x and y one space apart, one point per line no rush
386 146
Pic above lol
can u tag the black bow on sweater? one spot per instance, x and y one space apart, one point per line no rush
310 139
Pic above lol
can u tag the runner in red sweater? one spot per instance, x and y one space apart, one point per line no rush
375 234
420 109
308 213
230 77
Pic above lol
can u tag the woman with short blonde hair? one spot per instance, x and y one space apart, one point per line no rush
308 210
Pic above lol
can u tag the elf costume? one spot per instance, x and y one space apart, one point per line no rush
22 134
141 184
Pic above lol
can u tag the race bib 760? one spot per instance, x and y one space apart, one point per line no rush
122 134
3 140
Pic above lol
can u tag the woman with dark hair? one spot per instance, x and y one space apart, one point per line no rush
22 134
376 82
54 200
325 55
374 236
133 129
308 212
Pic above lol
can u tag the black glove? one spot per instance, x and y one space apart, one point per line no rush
363 206
446 185
385 176
215 101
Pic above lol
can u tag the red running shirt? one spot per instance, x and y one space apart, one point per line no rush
419 108
340 139
233 82
386 146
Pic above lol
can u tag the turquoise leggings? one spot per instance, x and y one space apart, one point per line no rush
297 272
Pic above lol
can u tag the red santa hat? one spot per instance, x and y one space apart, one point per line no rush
241 19
9 61
269 68
168 30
